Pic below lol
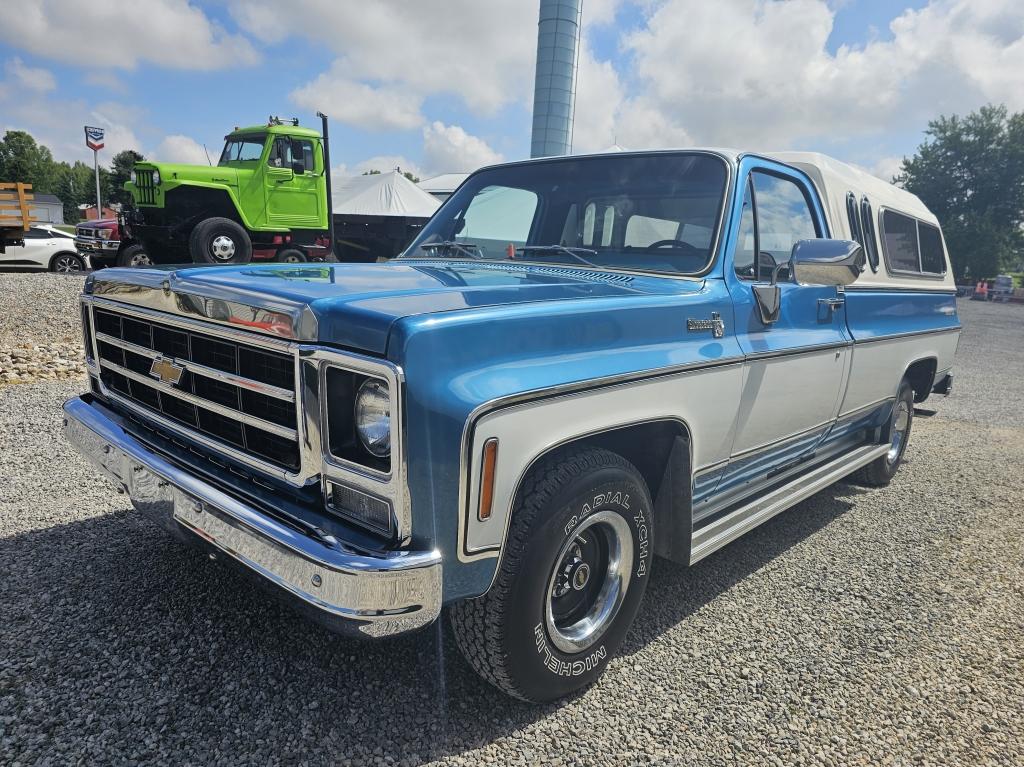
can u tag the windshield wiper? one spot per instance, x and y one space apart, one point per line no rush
567 250
470 249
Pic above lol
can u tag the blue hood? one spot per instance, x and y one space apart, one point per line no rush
355 305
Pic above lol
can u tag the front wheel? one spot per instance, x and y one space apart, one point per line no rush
134 255
880 472
66 263
570 581
291 256
220 241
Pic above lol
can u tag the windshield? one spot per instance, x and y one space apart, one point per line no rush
242 149
656 212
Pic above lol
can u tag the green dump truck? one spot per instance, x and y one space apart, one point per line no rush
268 197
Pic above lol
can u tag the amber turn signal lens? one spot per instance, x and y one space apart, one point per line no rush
487 478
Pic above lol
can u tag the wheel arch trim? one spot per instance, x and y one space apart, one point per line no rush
638 411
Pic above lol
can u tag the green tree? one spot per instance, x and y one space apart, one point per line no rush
120 168
22 159
970 173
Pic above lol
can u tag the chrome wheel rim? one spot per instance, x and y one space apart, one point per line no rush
66 264
222 247
900 423
589 581
139 259
293 260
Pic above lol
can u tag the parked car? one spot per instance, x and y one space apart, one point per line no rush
45 247
580 362
1002 288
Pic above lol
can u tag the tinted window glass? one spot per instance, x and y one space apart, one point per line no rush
672 200
497 216
246 149
286 151
867 220
783 215
853 214
36 234
932 257
746 241
899 233
642 231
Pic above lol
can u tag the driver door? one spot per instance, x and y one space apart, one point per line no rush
292 181
796 367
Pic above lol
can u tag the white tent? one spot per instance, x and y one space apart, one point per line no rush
442 186
381 194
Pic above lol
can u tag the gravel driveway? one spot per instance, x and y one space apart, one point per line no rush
880 627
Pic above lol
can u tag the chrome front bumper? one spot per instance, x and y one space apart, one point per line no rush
371 595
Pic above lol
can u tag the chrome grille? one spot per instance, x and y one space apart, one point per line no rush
240 395
145 186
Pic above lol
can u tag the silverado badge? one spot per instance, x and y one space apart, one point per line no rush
715 325
166 371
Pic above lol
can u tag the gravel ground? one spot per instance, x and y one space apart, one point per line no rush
860 627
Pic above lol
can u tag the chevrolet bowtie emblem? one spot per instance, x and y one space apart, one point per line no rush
166 371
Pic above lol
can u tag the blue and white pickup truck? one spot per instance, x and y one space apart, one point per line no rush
579 364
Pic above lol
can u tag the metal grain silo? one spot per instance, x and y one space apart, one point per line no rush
554 90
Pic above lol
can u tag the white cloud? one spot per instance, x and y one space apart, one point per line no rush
110 33
360 104
21 77
449 149
758 73
887 167
179 148
481 52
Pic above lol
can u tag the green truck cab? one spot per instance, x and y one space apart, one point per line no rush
266 198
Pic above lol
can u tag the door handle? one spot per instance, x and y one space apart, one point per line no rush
831 303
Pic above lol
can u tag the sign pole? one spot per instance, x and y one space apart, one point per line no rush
94 140
96 166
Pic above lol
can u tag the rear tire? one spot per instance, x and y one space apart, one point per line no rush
880 472
220 241
571 577
134 255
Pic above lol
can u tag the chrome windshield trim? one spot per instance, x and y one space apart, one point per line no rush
203 370
227 412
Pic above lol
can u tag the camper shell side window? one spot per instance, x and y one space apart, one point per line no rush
912 246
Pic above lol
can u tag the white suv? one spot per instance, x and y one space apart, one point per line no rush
46 247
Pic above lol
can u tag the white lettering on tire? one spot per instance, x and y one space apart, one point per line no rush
556 665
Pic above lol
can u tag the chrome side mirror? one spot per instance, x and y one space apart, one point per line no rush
826 262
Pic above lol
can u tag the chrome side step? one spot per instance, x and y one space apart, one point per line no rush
730 527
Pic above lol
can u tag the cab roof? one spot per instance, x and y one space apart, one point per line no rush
284 130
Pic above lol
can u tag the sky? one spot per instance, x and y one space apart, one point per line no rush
436 86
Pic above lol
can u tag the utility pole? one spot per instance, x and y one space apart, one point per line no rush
94 140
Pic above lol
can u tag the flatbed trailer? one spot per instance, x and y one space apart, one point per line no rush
15 213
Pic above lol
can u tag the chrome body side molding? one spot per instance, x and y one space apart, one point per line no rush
717 534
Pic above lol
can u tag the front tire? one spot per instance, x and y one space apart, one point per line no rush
570 581
220 241
291 256
880 472
66 263
134 255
